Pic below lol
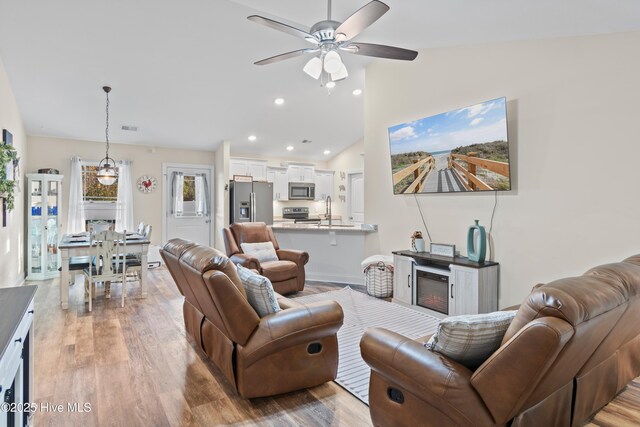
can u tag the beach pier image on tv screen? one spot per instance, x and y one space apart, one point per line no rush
462 150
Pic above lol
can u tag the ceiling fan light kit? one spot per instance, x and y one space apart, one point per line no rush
329 36
314 67
332 62
341 74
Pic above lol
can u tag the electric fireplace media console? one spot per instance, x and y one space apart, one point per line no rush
444 286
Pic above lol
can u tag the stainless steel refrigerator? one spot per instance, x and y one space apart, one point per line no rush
251 202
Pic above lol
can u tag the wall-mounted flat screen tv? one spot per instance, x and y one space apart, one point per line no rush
463 150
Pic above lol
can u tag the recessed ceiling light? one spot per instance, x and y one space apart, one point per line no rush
330 85
357 92
278 101
252 138
326 152
289 147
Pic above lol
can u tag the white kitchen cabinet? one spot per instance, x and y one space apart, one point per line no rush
324 184
280 180
237 167
248 167
402 279
301 173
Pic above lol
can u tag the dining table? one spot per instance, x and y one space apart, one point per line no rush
78 245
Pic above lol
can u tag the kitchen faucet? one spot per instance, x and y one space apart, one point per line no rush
327 212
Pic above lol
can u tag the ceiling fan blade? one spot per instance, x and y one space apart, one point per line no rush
361 19
285 28
381 51
284 56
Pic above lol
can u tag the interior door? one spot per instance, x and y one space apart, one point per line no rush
355 197
188 224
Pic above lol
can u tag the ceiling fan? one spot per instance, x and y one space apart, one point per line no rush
329 37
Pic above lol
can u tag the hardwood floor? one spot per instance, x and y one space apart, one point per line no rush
135 367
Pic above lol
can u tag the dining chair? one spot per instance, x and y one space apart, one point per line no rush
147 232
134 261
109 263
99 226
140 228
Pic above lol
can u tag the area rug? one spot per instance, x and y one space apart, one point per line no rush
362 311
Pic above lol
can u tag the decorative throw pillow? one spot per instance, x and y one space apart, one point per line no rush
261 251
260 293
470 340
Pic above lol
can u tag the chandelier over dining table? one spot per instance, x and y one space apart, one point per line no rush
107 174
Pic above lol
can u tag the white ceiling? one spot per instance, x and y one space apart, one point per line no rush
183 70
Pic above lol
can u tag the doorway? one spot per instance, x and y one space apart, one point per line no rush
186 203
355 197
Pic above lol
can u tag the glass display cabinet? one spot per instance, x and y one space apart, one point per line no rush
43 210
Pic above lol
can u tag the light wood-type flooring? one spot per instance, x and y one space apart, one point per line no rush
135 367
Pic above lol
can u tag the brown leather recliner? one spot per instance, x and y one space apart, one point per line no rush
286 274
573 345
290 350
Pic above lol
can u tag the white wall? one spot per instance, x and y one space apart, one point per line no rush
573 131
350 159
221 208
55 153
12 237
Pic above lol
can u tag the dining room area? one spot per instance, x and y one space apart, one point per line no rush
89 239
104 256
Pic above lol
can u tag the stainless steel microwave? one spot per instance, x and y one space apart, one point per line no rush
302 191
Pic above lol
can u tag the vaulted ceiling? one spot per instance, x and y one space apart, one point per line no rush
182 71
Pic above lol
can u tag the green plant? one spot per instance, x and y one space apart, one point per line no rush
8 154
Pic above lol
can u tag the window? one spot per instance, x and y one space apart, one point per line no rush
92 190
189 189
189 194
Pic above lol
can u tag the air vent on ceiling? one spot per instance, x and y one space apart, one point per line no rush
306 141
130 128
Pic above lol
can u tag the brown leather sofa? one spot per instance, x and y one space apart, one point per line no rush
286 274
573 345
290 350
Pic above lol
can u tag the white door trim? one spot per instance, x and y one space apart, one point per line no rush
165 166
348 202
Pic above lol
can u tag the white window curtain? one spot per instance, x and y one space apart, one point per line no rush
124 204
202 195
178 193
76 217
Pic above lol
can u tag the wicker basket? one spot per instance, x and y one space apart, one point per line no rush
378 277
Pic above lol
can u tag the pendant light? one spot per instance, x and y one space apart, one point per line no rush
106 169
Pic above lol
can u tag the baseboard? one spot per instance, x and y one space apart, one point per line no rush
347 280
20 280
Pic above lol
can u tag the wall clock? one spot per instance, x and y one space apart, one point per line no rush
147 184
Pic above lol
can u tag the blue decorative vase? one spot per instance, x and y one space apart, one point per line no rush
478 253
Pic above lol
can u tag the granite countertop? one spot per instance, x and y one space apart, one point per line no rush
320 217
361 228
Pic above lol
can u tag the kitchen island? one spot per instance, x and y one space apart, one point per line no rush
335 252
